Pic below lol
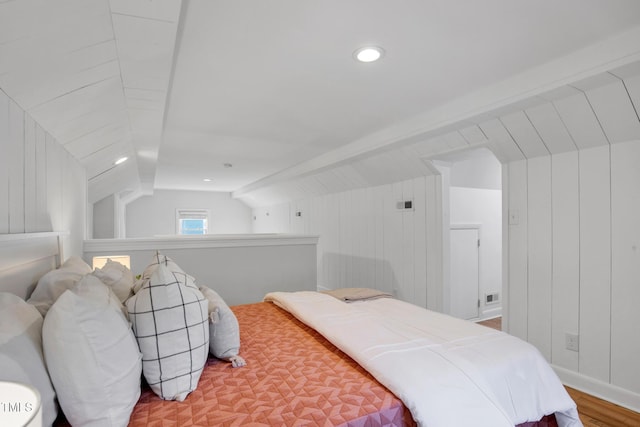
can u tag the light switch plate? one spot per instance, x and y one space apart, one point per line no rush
514 217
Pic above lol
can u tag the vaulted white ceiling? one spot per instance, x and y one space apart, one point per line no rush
272 88
95 74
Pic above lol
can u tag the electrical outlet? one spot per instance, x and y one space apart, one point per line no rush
572 342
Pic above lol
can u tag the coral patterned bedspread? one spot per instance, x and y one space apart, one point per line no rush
293 377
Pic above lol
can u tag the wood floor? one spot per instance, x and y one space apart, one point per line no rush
593 412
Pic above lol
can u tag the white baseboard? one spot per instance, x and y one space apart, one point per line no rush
491 313
600 389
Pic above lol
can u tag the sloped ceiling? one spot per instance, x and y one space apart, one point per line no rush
600 110
95 75
184 88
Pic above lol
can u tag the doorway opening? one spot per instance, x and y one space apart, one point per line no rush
472 233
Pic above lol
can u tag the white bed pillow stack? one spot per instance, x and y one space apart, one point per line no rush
169 317
118 277
21 358
92 355
224 331
55 282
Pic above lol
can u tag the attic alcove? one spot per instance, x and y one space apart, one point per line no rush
569 159
559 110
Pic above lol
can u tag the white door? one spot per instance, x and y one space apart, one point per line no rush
464 272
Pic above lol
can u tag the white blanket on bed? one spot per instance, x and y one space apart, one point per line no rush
448 372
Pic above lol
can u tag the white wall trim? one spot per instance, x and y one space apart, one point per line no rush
10 244
195 242
28 236
491 313
25 257
465 226
599 389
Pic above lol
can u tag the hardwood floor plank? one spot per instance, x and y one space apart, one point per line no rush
602 413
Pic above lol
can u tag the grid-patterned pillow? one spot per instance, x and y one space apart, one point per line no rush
158 259
169 317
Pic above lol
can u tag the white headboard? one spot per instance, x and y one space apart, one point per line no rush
25 257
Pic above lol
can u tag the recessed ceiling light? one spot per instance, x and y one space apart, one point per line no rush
207 180
368 53
120 160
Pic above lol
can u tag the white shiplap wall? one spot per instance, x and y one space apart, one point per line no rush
574 263
42 187
366 242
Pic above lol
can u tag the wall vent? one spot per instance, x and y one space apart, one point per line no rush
493 298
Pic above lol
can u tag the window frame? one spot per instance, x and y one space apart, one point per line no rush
200 214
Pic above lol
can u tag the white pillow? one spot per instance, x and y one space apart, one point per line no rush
55 282
224 331
21 358
92 355
77 264
118 277
169 316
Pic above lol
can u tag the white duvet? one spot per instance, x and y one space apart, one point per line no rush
448 372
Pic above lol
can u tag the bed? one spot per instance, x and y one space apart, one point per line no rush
299 372
293 377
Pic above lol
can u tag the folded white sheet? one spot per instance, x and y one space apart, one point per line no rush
447 371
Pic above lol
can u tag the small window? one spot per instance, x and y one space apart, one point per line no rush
192 221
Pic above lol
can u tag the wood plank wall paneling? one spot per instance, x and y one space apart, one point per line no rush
595 262
625 268
4 163
393 230
366 241
408 241
420 245
615 112
434 242
565 296
74 204
506 294
574 260
378 221
43 222
580 120
42 187
517 306
30 185
539 253
54 182
16 168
